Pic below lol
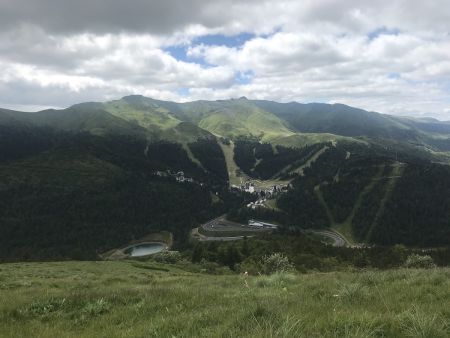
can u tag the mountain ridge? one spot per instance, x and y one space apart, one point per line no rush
261 119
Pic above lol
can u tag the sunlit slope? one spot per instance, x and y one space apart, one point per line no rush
234 118
292 124
226 118
142 111
80 118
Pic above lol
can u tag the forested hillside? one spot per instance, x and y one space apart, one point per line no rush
373 197
79 181
66 195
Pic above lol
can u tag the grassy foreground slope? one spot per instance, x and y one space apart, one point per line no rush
146 299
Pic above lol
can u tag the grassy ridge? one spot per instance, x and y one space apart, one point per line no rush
147 299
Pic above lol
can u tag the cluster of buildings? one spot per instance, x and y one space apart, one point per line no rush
263 194
269 192
179 176
256 204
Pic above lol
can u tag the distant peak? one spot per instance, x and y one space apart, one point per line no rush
132 97
139 100
243 98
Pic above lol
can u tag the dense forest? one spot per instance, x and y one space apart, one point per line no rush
82 195
265 161
418 212
387 202
209 153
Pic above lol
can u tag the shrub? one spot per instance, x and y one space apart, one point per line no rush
250 265
418 261
168 257
276 263
213 268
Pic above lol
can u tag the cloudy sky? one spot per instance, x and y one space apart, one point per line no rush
391 56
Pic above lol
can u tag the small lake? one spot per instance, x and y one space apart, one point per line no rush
145 249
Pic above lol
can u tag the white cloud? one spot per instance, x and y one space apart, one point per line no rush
390 56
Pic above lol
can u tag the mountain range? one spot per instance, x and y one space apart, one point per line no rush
78 181
289 123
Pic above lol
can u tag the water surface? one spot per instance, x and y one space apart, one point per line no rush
145 249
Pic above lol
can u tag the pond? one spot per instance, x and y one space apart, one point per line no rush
145 249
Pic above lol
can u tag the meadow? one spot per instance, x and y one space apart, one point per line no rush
149 299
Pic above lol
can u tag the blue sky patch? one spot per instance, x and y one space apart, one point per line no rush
394 75
183 91
223 40
243 78
382 31
178 52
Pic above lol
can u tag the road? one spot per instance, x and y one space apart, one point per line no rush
202 238
224 228
220 224
338 239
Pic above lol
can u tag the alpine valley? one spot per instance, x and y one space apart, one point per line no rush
77 182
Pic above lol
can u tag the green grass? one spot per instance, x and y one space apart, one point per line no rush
232 167
299 140
237 177
146 299
346 228
148 117
271 204
241 118
310 161
396 173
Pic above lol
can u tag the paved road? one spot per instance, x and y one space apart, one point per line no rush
220 224
338 239
195 234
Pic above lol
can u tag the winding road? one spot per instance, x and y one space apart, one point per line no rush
220 224
338 239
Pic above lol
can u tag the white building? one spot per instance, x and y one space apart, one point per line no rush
260 224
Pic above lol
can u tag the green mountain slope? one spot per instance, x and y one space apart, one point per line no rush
338 119
226 118
234 118
291 124
80 118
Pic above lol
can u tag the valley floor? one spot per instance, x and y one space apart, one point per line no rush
147 299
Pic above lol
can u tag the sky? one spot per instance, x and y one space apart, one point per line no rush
390 56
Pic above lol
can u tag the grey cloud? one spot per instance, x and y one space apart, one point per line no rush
23 93
168 16
31 45
106 16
